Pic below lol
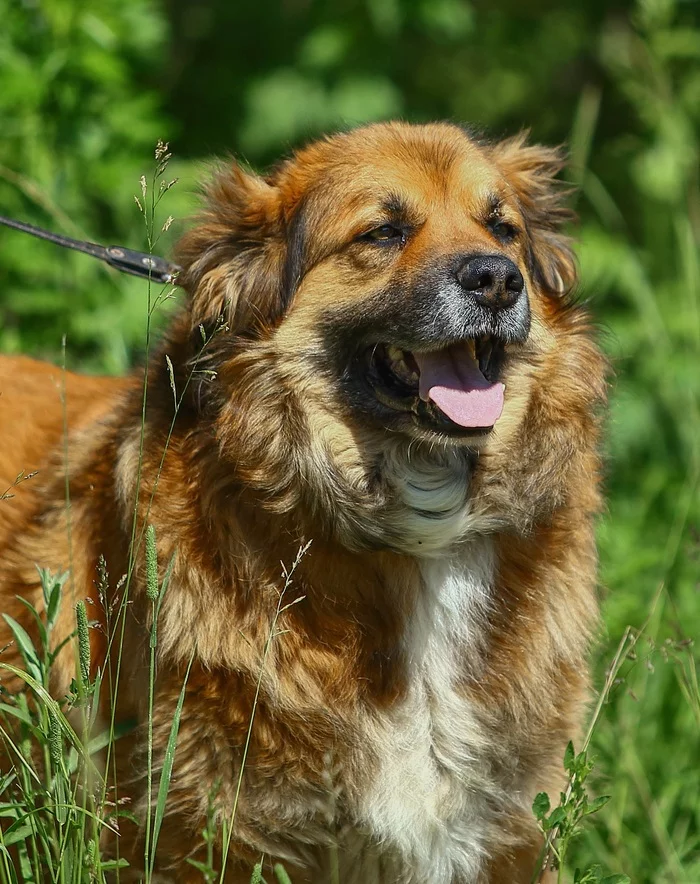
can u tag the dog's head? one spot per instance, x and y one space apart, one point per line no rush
395 300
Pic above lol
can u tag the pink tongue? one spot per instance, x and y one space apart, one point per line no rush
451 378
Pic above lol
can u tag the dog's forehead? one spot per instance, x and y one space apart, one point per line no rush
424 165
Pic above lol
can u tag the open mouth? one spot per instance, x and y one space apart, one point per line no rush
454 390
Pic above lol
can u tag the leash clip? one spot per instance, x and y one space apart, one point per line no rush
141 264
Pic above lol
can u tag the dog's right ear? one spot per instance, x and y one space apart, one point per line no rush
531 170
235 260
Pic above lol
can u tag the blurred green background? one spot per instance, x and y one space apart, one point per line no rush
86 89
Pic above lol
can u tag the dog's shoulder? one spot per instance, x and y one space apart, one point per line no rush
38 403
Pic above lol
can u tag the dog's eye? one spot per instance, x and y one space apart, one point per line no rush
503 230
387 234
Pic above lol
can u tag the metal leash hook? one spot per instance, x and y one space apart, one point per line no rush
126 260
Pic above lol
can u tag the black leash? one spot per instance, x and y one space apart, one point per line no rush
126 260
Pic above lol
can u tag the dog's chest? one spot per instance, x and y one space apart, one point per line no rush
426 804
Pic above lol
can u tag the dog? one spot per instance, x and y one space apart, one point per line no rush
379 363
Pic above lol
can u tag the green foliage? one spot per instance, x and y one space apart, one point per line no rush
596 875
78 122
48 817
209 837
564 823
640 261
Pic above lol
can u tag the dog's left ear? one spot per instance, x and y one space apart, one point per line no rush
241 260
531 171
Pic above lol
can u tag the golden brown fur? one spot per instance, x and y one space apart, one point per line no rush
434 665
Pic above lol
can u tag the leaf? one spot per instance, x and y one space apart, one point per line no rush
541 805
45 578
597 804
54 601
281 874
102 740
43 635
26 649
71 761
47 699
22 714
6 781
124 813
569 758
13 835
556 817
111 864
68 863
616 879
201 867
51 586
6 853
167 769
60 646
18 830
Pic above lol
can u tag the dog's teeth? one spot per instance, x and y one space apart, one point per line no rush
400 365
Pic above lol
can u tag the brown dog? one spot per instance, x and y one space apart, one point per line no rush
401 379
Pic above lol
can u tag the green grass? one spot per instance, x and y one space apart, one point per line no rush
641 269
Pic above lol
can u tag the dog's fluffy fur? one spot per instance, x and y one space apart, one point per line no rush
424 685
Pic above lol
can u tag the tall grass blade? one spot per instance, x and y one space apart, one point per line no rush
281 874
26 649
167 770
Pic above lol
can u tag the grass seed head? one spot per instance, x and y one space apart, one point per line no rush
83 642
55 739
151 564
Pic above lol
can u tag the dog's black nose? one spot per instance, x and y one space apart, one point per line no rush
493 280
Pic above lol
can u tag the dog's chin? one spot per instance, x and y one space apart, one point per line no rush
386 381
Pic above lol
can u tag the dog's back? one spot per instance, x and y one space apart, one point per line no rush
38 402
41 408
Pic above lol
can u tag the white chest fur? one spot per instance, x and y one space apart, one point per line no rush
426 808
